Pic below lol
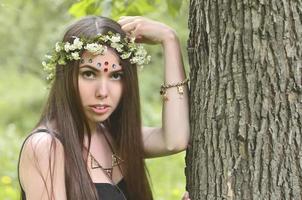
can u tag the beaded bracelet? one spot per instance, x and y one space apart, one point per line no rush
179 85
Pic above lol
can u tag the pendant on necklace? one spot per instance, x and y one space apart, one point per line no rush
115 160
109 172
95 164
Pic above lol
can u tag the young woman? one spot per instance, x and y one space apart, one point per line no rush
90 143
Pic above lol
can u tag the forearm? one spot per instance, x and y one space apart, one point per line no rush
173 136
176 107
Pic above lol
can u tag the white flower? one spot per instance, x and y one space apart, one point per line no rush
126 55
77 44
134 60
67 47
106 38
58 47
141 51
75 55
50 76
115 38
44 64
148 59
140 56
95 48
117 46
65 51
48 56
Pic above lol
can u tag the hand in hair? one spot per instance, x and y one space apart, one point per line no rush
146 30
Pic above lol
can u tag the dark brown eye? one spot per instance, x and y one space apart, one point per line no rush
117 76
88 74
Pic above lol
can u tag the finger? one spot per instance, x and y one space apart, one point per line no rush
127 19
131 31
124 21
129 27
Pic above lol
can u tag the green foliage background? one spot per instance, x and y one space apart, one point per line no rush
28 29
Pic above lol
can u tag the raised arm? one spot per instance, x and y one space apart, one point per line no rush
39 162
173 136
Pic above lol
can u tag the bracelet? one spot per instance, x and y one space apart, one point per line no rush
179 85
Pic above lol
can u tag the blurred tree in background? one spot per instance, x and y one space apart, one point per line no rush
29 28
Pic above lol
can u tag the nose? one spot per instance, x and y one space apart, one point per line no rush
102 89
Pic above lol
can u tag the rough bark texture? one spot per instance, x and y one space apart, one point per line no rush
246 99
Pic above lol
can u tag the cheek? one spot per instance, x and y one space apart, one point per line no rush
116 92
83 91
120 92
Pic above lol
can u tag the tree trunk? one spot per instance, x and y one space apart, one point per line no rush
246 99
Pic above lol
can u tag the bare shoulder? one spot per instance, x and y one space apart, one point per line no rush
40 144
42 157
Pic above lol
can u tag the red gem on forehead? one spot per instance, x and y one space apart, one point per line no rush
106 70
106 63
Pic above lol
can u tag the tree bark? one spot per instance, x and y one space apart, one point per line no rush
246 99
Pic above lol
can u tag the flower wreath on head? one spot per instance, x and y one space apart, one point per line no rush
65 51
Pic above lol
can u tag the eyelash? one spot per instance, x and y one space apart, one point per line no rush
92 75
120 74
87 74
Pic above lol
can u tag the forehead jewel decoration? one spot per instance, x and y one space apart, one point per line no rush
65 51
104 65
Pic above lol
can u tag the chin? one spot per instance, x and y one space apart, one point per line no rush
101 118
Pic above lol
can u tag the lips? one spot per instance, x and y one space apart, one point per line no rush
100 108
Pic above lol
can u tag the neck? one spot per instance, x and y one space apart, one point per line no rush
93 126
96 128
96 131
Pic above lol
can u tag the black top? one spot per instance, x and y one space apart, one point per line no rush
106 191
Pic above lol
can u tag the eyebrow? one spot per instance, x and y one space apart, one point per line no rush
98 70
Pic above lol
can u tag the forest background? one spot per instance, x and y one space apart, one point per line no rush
29 28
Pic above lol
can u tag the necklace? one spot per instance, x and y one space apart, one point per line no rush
115 161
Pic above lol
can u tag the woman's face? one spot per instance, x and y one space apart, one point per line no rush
100 84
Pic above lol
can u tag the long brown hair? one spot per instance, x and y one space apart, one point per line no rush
64 107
